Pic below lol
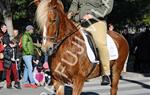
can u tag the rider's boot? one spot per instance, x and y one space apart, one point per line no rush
105 80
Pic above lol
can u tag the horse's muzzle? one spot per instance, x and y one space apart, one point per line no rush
44 49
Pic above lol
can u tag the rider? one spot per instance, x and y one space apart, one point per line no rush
87 10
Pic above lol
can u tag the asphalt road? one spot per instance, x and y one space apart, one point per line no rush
130 84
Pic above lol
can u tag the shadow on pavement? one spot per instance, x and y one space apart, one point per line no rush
68 91
146 75
137 82
89 93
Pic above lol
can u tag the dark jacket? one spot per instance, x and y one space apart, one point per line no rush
8 54
17 40
83 7
40 58
6 38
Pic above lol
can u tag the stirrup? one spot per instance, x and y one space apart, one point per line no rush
95 62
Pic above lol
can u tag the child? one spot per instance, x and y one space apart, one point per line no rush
10 65
47 71
38 73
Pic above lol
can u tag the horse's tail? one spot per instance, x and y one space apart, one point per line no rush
125 64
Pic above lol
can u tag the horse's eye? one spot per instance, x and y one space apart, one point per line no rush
54 7
52 21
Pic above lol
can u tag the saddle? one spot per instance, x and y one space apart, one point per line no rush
92 50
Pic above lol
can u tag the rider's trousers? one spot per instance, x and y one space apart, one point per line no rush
99 33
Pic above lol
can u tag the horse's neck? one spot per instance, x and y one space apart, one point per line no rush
67 27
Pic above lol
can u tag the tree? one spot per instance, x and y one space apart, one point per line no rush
17 13
24 13
133 12
5 10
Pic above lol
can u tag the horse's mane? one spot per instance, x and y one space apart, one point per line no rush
42 12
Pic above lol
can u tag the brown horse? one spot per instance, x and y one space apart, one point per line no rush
69 62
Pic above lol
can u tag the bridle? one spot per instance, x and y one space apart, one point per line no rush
54 39
57 21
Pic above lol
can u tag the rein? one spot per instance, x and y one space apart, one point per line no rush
54 40
56 45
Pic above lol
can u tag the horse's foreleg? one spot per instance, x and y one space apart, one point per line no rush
77 86
59 87
60 90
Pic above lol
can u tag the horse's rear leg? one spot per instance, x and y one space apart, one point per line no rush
116 72
77 86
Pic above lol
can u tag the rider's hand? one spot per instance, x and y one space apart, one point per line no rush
87 17
70 14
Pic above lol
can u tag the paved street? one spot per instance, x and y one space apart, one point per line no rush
130 84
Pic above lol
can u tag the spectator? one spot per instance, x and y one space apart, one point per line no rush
6 37
142 52
1 58
110 27
38 73
17 40
5 41
10 65
28 52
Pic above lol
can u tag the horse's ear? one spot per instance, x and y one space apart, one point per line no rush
53 4
61 5
37 2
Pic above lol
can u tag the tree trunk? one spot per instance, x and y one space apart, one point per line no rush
9 23
5 10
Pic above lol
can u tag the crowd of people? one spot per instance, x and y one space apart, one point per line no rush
138 38
21 58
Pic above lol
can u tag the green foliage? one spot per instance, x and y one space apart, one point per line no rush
18 15
22 9
23 13
20 2
146 19
132 12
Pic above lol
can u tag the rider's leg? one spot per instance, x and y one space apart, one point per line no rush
99 33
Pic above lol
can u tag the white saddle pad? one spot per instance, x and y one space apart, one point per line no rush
112 48
113 52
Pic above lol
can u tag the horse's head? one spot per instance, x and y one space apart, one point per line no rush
48 19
